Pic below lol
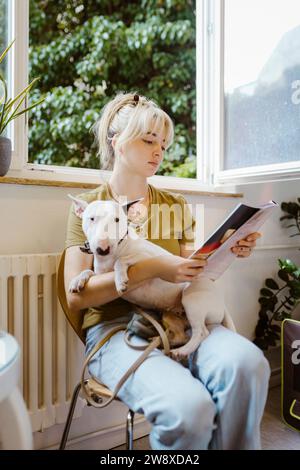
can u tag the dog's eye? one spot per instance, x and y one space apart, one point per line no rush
117 219
92 219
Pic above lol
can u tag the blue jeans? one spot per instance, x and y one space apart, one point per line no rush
217 402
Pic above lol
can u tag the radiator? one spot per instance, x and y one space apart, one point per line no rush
51 353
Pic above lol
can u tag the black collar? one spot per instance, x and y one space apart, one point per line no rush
86 247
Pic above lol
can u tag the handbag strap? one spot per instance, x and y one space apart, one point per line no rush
162 337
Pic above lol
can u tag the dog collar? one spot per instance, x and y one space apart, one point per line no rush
86 247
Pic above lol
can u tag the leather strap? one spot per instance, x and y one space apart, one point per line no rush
156 341
162 333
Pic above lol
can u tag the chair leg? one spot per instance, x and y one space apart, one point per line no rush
69 418
129 430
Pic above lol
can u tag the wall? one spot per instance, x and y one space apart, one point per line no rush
33 220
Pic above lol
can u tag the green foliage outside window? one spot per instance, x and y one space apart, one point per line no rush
87 50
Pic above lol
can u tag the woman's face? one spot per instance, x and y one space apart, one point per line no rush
144 155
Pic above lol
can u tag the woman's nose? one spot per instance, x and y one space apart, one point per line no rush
158 151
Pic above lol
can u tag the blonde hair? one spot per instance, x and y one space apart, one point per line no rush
130 116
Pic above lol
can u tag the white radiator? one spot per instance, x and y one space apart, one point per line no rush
51 353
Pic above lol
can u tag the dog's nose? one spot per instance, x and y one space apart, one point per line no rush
102 252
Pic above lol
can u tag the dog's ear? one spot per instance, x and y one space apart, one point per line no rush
127 205
79 205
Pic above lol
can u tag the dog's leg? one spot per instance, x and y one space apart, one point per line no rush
203 303
121 277
121 267
77 283
228 322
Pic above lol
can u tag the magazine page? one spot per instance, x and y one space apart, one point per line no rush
242 221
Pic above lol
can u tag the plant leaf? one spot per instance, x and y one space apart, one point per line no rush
271 284
266 292
15 114
6 51
30 107
275 328
283 275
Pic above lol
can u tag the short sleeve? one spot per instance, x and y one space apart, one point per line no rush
188 224
75 235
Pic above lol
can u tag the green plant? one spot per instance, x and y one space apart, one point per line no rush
85 51
7 113
292 210
278 302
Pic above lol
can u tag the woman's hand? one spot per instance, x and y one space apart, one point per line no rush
177 269
243 248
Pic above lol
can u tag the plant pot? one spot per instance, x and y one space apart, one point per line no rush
5 155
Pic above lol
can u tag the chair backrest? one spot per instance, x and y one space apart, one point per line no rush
75 319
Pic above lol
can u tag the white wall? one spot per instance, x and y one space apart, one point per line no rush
33 220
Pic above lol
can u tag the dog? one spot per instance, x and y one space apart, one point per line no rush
113 241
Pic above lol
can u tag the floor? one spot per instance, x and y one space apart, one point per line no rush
274 433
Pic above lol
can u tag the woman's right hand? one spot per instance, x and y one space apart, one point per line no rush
177 269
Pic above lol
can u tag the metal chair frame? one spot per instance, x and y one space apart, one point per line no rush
99 399
76 322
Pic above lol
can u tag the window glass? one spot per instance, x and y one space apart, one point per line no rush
85 52
262 82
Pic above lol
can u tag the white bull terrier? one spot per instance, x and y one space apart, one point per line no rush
115 245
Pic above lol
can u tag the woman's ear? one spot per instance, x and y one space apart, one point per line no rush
113 143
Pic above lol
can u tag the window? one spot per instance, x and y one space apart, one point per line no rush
4 38
261 83
86 51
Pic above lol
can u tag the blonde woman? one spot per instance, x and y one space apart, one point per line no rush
218 400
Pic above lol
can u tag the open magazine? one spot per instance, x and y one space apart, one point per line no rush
242 221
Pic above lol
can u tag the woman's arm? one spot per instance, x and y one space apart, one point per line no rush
100 288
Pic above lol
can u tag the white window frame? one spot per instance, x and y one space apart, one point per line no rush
20 168
210 116
271 172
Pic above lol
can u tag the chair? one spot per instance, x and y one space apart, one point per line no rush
97 391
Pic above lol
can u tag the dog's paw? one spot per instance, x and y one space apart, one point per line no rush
77 284
179 354
122 286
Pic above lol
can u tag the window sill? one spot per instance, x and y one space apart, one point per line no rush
261 173
90 179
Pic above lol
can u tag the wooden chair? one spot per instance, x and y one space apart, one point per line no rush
97 391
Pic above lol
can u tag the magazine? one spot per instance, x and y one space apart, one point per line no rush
242 221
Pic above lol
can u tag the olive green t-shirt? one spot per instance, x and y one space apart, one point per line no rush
168 223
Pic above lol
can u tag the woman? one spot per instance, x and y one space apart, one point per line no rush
218 400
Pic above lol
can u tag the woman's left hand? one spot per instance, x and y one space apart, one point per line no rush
244 247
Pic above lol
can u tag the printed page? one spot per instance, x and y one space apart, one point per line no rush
242 221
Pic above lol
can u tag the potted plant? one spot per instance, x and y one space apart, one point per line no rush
278 300
9 110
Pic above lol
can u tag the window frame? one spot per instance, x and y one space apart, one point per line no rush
210 118
271 172
22 169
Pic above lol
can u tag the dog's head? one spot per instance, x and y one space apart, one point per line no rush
105 223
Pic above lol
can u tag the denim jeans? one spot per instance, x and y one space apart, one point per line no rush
216 402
